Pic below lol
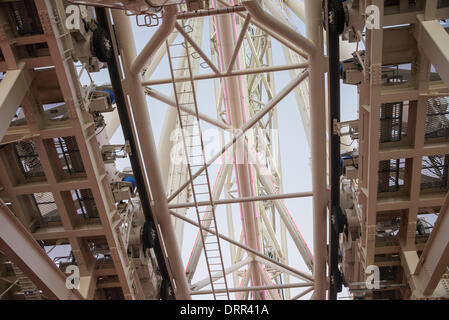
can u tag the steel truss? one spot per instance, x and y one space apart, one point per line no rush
241 65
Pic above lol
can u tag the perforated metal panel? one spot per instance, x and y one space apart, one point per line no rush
46 206
391 126
68 152
28 159
437 121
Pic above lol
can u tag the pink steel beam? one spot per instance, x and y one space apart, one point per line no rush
19 245
317 117
226 29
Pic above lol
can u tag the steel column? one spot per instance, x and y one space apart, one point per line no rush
147 144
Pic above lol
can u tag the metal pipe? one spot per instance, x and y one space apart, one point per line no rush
209 12
223 74
158 38
282 269
269 31
146 140
233 95
302 294
202 283
244 199
172 103
260 114
256 288
318 146
280 28
238 44
197 48
298 8
265 259
318 117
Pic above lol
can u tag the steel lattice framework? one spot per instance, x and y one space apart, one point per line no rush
222 206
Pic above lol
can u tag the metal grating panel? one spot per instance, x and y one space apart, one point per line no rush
24 17
46 206
28 159
443 4
437 121
391 126
68 152
391 175
85 203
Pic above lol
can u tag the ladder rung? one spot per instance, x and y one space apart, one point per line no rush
201 184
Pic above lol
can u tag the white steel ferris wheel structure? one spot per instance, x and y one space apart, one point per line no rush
241 64
202 213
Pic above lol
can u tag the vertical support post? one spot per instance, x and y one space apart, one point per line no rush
318 147
336 216
232 92
141 117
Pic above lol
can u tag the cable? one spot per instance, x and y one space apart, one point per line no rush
157 8
100 131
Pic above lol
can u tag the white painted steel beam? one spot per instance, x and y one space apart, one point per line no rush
202 283
145 134
300 274
244 199
256 288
